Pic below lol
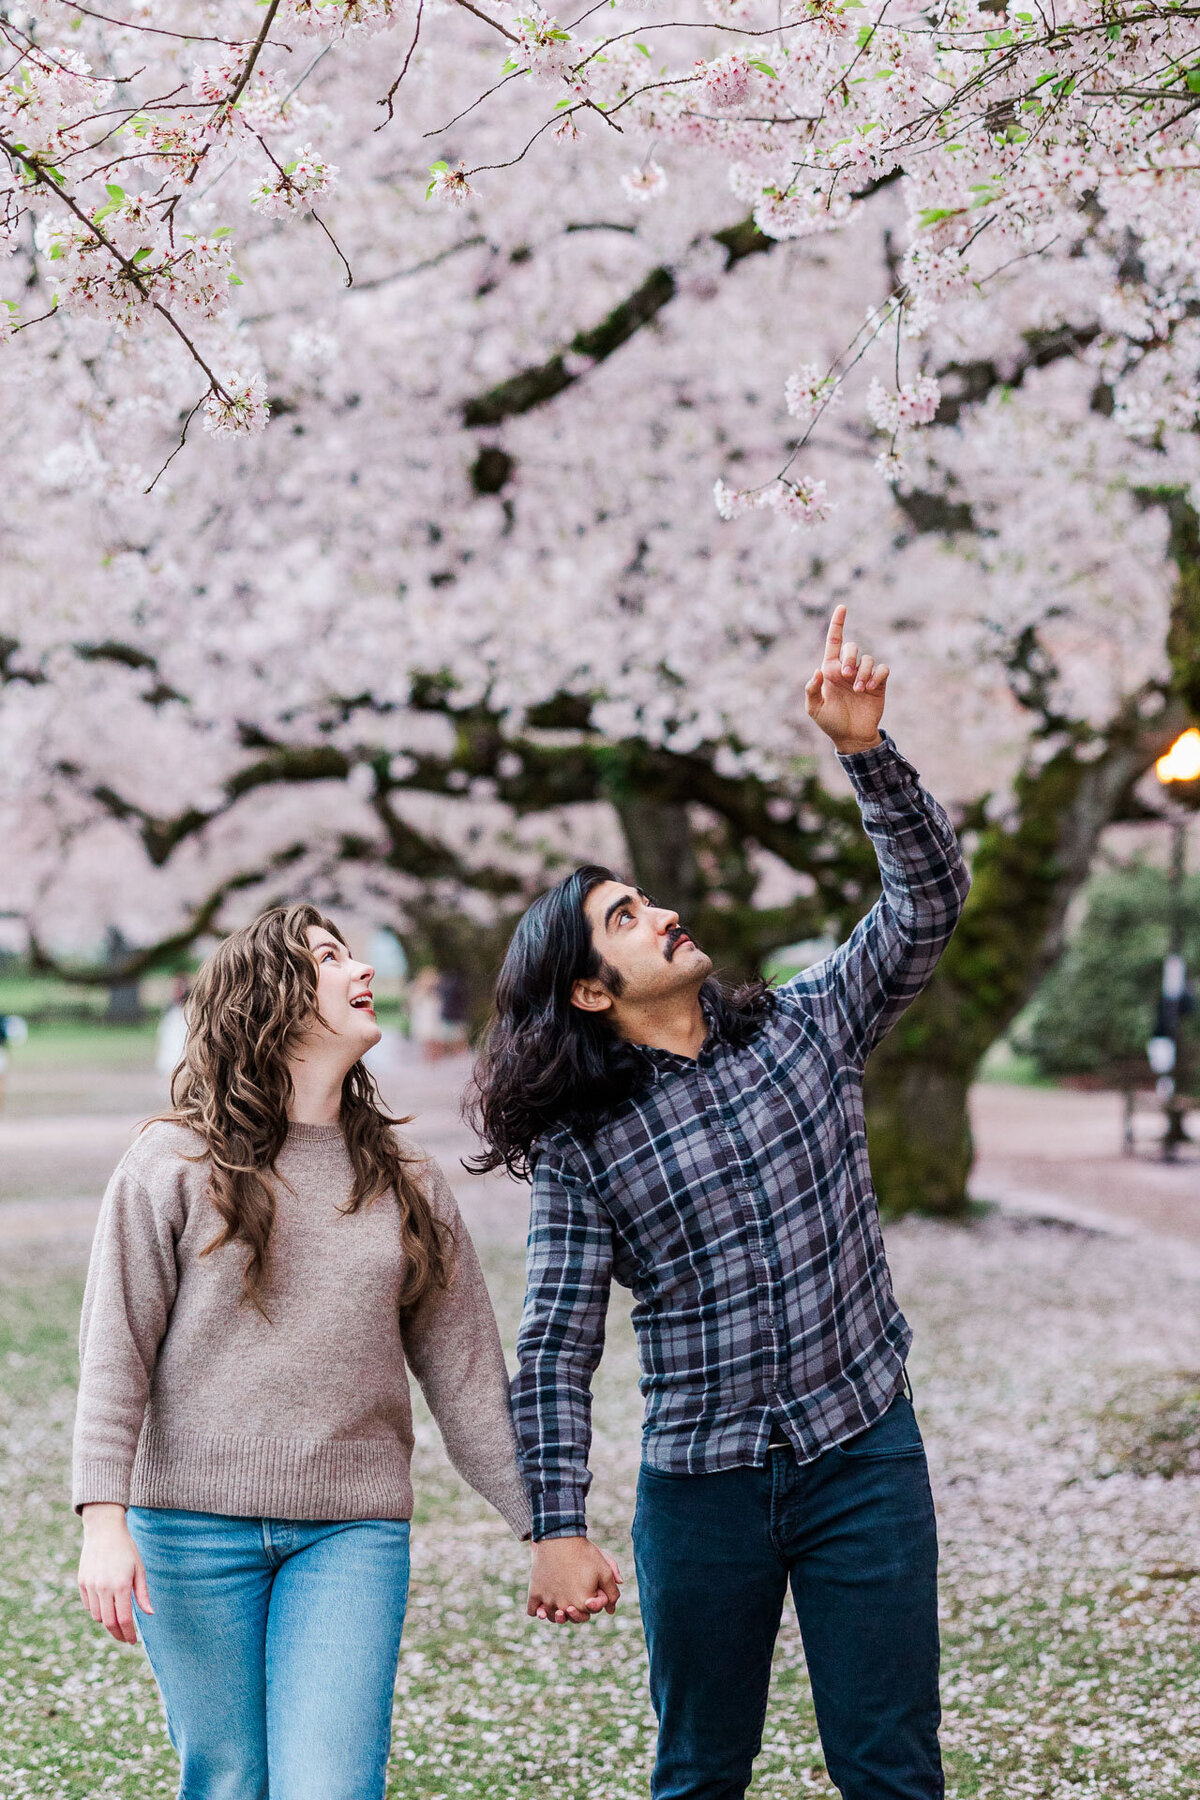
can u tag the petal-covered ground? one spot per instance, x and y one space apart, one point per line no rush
1051 1365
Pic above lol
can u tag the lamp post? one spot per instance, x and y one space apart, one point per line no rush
1180 764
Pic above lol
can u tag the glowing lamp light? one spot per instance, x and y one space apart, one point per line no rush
1182 761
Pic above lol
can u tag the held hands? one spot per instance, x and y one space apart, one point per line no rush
571 1580
845 696
111 1572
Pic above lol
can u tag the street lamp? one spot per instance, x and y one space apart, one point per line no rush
1180 764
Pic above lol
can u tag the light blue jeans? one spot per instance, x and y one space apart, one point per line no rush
274 1644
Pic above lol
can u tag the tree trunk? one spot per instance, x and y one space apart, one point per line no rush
919 1133
659 837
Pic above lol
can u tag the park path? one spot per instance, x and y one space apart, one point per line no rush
1046 1151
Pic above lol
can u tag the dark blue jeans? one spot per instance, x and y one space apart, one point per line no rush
854 1534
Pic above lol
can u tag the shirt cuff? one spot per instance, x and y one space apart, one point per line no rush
558 1512
880 770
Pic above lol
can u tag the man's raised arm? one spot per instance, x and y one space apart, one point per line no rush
858 993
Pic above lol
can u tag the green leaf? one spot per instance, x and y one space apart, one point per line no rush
438 168
141 255
1193 80
236 281
642 48
559 104
116 200
765 68
510 66
933 215
865 34
56 250
222 231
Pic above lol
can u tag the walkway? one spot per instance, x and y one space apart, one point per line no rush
1042 1150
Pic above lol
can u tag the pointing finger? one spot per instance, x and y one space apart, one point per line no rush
833 638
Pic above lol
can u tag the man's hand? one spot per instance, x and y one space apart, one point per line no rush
571 1580
845 695
111 1572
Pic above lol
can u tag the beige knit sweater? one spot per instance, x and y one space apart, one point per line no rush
190 1398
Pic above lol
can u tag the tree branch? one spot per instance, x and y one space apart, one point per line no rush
543 381
201 919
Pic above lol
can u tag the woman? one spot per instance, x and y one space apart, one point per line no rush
269 1256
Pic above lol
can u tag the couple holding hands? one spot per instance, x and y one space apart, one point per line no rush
273 1256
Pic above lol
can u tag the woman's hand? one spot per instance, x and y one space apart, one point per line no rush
845 695
571 1581
111 1574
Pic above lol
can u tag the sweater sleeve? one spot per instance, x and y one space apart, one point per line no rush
131 1284
453 1348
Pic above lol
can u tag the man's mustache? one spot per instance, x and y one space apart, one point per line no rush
676 936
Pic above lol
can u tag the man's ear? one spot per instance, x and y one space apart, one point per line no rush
591 996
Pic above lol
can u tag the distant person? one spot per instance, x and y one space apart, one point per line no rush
438 1009
13 1030
708 1150
455 998
171 1037
272 1256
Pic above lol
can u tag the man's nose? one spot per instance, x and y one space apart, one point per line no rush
667 920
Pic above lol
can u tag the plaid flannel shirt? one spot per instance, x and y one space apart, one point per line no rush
732 1194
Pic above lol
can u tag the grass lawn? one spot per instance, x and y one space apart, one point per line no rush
61 1043
1071 1567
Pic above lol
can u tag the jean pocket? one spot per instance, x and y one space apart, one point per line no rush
895 1434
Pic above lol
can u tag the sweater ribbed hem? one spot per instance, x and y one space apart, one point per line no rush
272 1478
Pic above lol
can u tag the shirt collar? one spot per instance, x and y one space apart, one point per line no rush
669 1059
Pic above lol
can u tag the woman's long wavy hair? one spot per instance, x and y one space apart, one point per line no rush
546 1063
251 1004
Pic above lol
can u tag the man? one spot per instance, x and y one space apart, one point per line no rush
709 1152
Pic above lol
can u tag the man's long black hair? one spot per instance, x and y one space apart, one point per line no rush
546 1063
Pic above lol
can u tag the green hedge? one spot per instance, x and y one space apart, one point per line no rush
1095 1011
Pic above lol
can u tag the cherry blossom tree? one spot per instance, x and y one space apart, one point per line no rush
465 608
